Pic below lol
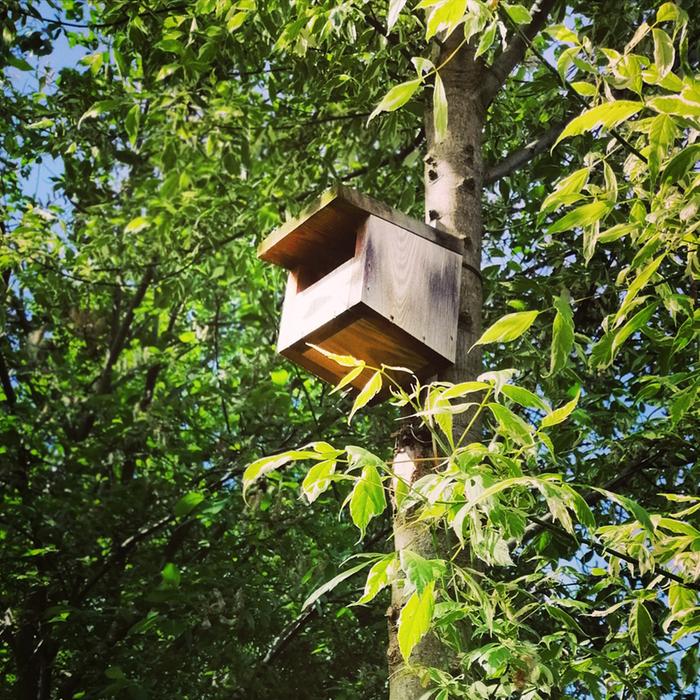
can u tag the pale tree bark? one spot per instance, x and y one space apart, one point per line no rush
453 184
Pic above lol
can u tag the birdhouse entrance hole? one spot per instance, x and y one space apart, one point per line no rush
368 281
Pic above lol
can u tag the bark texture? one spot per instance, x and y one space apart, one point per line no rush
453 183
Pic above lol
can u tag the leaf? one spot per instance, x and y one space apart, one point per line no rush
603 352
188 503
640 281
561 32
562 333
632 507
349 377
559 415
170 575
265 465
572 184
369 391
420 571
330 585
342 360
581 216
462 389
395 7
131 123
415 618
137 224
664 53
525 398
681 163
508 327
607 115
512 425
668 12
615 232
379 576
518 13
439 109
584 88
674 104
367 499
640 627
486 39
318 479
396 97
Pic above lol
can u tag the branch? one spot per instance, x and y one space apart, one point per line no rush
516 160
515 51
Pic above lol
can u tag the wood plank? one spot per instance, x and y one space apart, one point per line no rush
413 283
326 228
307 310
365 334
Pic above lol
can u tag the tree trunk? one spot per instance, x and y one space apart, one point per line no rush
453 182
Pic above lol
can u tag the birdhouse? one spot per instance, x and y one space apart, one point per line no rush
368 281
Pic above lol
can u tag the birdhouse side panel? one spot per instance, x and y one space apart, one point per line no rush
414 283
306 310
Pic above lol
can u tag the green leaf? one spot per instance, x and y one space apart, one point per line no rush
131 123
675 104
330 585
367 499
518 13
137 224
603 352
632 507
188 503
681 163
669 11
584 215
462 389
98 108
318 479
395 7
570 185
420 571
584 88
170 575
415 618
525 398
607 115
396 97
561 32
641 627
439 109
559 415
379 576
486 39
664 53
508 327
369 391
562 333
511 424
349 377
265 465
640 281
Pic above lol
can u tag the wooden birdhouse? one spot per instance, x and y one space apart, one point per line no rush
368 281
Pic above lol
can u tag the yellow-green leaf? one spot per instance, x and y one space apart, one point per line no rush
560 414
508 327
439 108
369 391
584 215
396 97
607 115
367 499
415 618
664 53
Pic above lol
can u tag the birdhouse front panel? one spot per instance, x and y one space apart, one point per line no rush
367 281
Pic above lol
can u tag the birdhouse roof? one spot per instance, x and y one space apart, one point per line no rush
331 222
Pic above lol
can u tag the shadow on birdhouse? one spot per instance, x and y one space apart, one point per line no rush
368 281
